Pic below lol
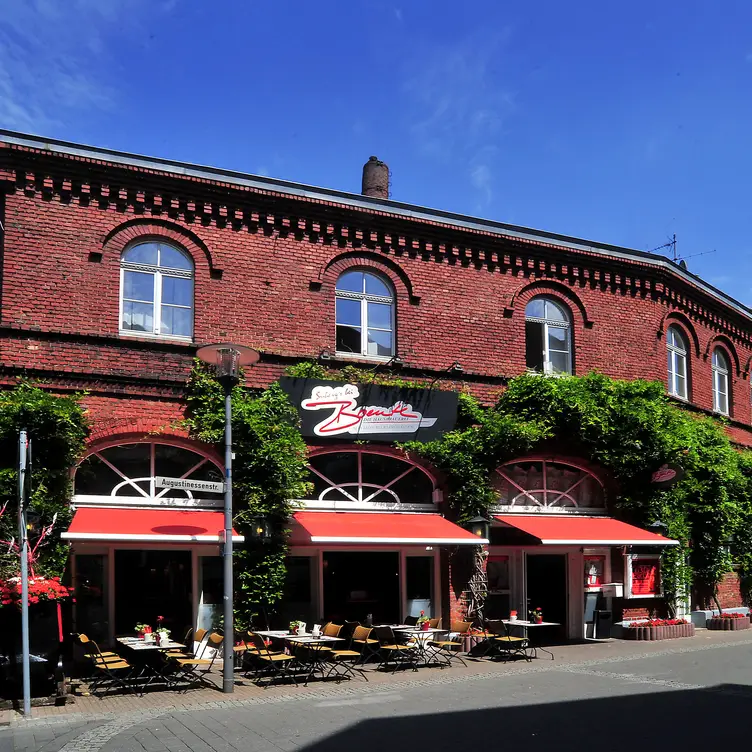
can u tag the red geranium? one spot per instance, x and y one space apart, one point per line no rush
40 589
657 623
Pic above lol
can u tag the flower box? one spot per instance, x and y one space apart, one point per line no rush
658 629
728 622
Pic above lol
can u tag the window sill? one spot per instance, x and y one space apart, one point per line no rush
155 337
362 358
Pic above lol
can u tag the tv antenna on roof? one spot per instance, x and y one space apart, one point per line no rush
675 257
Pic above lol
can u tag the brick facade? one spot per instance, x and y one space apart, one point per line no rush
266 259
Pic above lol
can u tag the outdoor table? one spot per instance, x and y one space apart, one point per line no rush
316 662
530 625
422 639
147 652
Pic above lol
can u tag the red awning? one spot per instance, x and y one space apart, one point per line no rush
147 526
583 531
377 528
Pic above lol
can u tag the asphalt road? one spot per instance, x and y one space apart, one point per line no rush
695 700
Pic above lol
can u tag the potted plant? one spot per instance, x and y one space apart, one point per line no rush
142 629
164 634
423 621
536 615
296 627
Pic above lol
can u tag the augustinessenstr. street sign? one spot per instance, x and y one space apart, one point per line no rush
184 484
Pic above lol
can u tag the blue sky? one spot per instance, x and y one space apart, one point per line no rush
622 123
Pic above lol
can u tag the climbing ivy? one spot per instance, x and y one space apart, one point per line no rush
269 471
58 429
630 428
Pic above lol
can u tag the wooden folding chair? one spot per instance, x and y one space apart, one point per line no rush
399 653
195 669
450 649
362 640
109 669
274 664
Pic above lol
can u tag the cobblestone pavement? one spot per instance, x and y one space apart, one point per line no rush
617 696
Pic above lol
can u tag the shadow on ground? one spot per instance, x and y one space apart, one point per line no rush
692 719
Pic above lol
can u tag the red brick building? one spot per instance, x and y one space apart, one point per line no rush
115 267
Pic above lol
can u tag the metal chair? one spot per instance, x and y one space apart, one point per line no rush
399 653
363 641
194 669
109 668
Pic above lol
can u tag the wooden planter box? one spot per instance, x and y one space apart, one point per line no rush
660 633
731 625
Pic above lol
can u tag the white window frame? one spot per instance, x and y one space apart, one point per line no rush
720 382
555 323
675 354
360 494
538 498
629 560
155 497
158 273
366 298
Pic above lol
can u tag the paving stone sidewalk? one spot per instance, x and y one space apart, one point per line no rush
208 720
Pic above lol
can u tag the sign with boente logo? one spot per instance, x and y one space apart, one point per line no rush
348 412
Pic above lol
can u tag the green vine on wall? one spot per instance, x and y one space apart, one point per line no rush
269 471
57 427
628 428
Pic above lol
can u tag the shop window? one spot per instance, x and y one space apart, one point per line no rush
360 478
364 315
419 572
594 571
548 483
643 576
499 593
720 369
89 586
156 290
548 347
130 470
677 362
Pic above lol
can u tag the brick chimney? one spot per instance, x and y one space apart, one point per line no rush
375 179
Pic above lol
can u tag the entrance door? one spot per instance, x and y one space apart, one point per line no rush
150 584
360 583
547 589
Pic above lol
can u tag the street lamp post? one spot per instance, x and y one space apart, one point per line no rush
227 360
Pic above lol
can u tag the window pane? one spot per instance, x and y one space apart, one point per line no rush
145 253
555 312
375 286
138 317
534 345
172 258
719 360
351 281
558 339
676 338
379 343
348 312
559 361
176 321
380 315
177 291
348 339
138 286
681 387
536 307
681 365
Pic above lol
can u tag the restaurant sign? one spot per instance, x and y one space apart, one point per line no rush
332 409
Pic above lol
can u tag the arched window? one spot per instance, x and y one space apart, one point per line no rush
677 362
362 479
548 342
156 290
548 483
720 368
131 471
365 315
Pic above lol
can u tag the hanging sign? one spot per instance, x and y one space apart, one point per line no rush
183 484
331 409
667 475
